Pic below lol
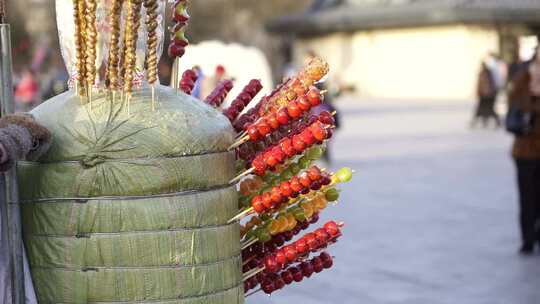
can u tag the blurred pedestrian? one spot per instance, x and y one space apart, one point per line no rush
27 91
486 91
523 121
197 89
55 81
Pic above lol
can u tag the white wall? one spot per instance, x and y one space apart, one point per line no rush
419 63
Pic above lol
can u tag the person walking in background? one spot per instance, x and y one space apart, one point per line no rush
486 91
524 99
197 88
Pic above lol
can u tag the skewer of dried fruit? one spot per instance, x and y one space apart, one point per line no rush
113 64
152 45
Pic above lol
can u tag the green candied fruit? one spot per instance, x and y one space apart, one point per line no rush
240 165
295 168
287 174
263 235
245 201
299 214
314 153
251 234
332 195
304 162
344 175
265 217
268 178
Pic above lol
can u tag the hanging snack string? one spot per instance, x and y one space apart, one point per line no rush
131 34
91 46
78 5
114 47
152 45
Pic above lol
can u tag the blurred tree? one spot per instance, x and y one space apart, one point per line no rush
239 21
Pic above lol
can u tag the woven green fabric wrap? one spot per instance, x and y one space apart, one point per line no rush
133 207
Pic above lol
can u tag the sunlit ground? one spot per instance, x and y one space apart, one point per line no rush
431 214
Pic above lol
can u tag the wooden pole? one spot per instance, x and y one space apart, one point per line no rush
11 195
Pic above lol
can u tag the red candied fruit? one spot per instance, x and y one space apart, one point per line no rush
282 116
332 228
257 204
253 132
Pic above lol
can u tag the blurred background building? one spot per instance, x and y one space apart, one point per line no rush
428 49
405 49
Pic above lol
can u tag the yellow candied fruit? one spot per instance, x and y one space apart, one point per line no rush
320 203
308 209
283 223
273 229
292 222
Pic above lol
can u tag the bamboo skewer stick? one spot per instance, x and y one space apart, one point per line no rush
241 215
239 177
248 275
249 243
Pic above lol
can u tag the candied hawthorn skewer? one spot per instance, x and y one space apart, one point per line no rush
289 220
313 72
272 121
249 150
267 201
289 254
187 83
301 184
179 42
273 282
288 147
219 93
178 38
243 99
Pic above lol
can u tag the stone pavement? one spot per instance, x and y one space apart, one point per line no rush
431 213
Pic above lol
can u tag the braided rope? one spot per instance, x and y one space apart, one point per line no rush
131 34
91 42
151 25
114 45
78 6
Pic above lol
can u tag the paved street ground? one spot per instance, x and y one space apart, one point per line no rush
431 214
